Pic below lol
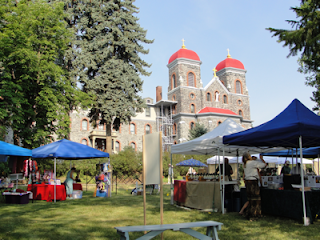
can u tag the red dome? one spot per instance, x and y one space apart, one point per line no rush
184 53
216 110
229 62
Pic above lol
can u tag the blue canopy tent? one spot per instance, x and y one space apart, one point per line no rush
313 152
191 163
7 149
66 149
294 125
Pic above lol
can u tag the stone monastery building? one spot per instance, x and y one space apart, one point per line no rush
189 102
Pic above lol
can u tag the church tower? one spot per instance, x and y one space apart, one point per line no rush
185 80
232 74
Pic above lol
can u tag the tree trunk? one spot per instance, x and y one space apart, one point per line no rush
108 139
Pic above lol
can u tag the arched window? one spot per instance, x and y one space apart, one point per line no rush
174 129
225 99
240 113
173 97
148 129
209 97
84 125
191 125
175 142
174 82
219 122
238 87
133 145
117 146
192 108
216 96
191 79
174 107
132 128
84 141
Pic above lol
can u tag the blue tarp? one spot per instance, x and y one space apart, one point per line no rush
67 149
282 131
191 163
8 149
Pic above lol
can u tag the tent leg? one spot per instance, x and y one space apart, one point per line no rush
55 172
302 183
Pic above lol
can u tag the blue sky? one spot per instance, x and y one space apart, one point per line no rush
209 28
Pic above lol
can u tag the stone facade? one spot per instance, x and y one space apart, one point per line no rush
96 136
176 116
227 90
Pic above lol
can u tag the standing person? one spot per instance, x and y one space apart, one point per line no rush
190 171
286 169
250 168
69 183
228 170
170 173
297 169
244 177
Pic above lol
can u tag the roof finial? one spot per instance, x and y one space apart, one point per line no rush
228 56
183 46
214 72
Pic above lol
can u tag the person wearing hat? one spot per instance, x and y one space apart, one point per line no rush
286 169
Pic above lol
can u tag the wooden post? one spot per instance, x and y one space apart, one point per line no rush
144 180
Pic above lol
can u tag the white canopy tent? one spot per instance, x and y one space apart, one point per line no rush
211 144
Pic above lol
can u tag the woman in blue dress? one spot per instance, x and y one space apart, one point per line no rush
69 182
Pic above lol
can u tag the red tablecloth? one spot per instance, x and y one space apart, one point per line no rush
46 192
179 191
76 186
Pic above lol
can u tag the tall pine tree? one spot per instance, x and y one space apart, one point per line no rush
108 63
304 39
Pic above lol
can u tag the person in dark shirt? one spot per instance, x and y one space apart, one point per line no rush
228 169
286 169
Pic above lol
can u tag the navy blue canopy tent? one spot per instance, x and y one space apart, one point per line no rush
66 149
282 131
191 163
292 127
8 149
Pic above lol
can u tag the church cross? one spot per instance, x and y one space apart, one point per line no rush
214 72
183 46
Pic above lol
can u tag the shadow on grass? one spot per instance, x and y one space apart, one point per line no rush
95 218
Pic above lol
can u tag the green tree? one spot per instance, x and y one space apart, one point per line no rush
304 39
36 91
110 43
197 131
127 162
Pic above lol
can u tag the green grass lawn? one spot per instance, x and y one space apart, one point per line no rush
95 218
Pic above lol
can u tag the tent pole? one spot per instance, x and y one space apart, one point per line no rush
171 180
55 160
221 199
318 165
223 180
238 175
302 183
